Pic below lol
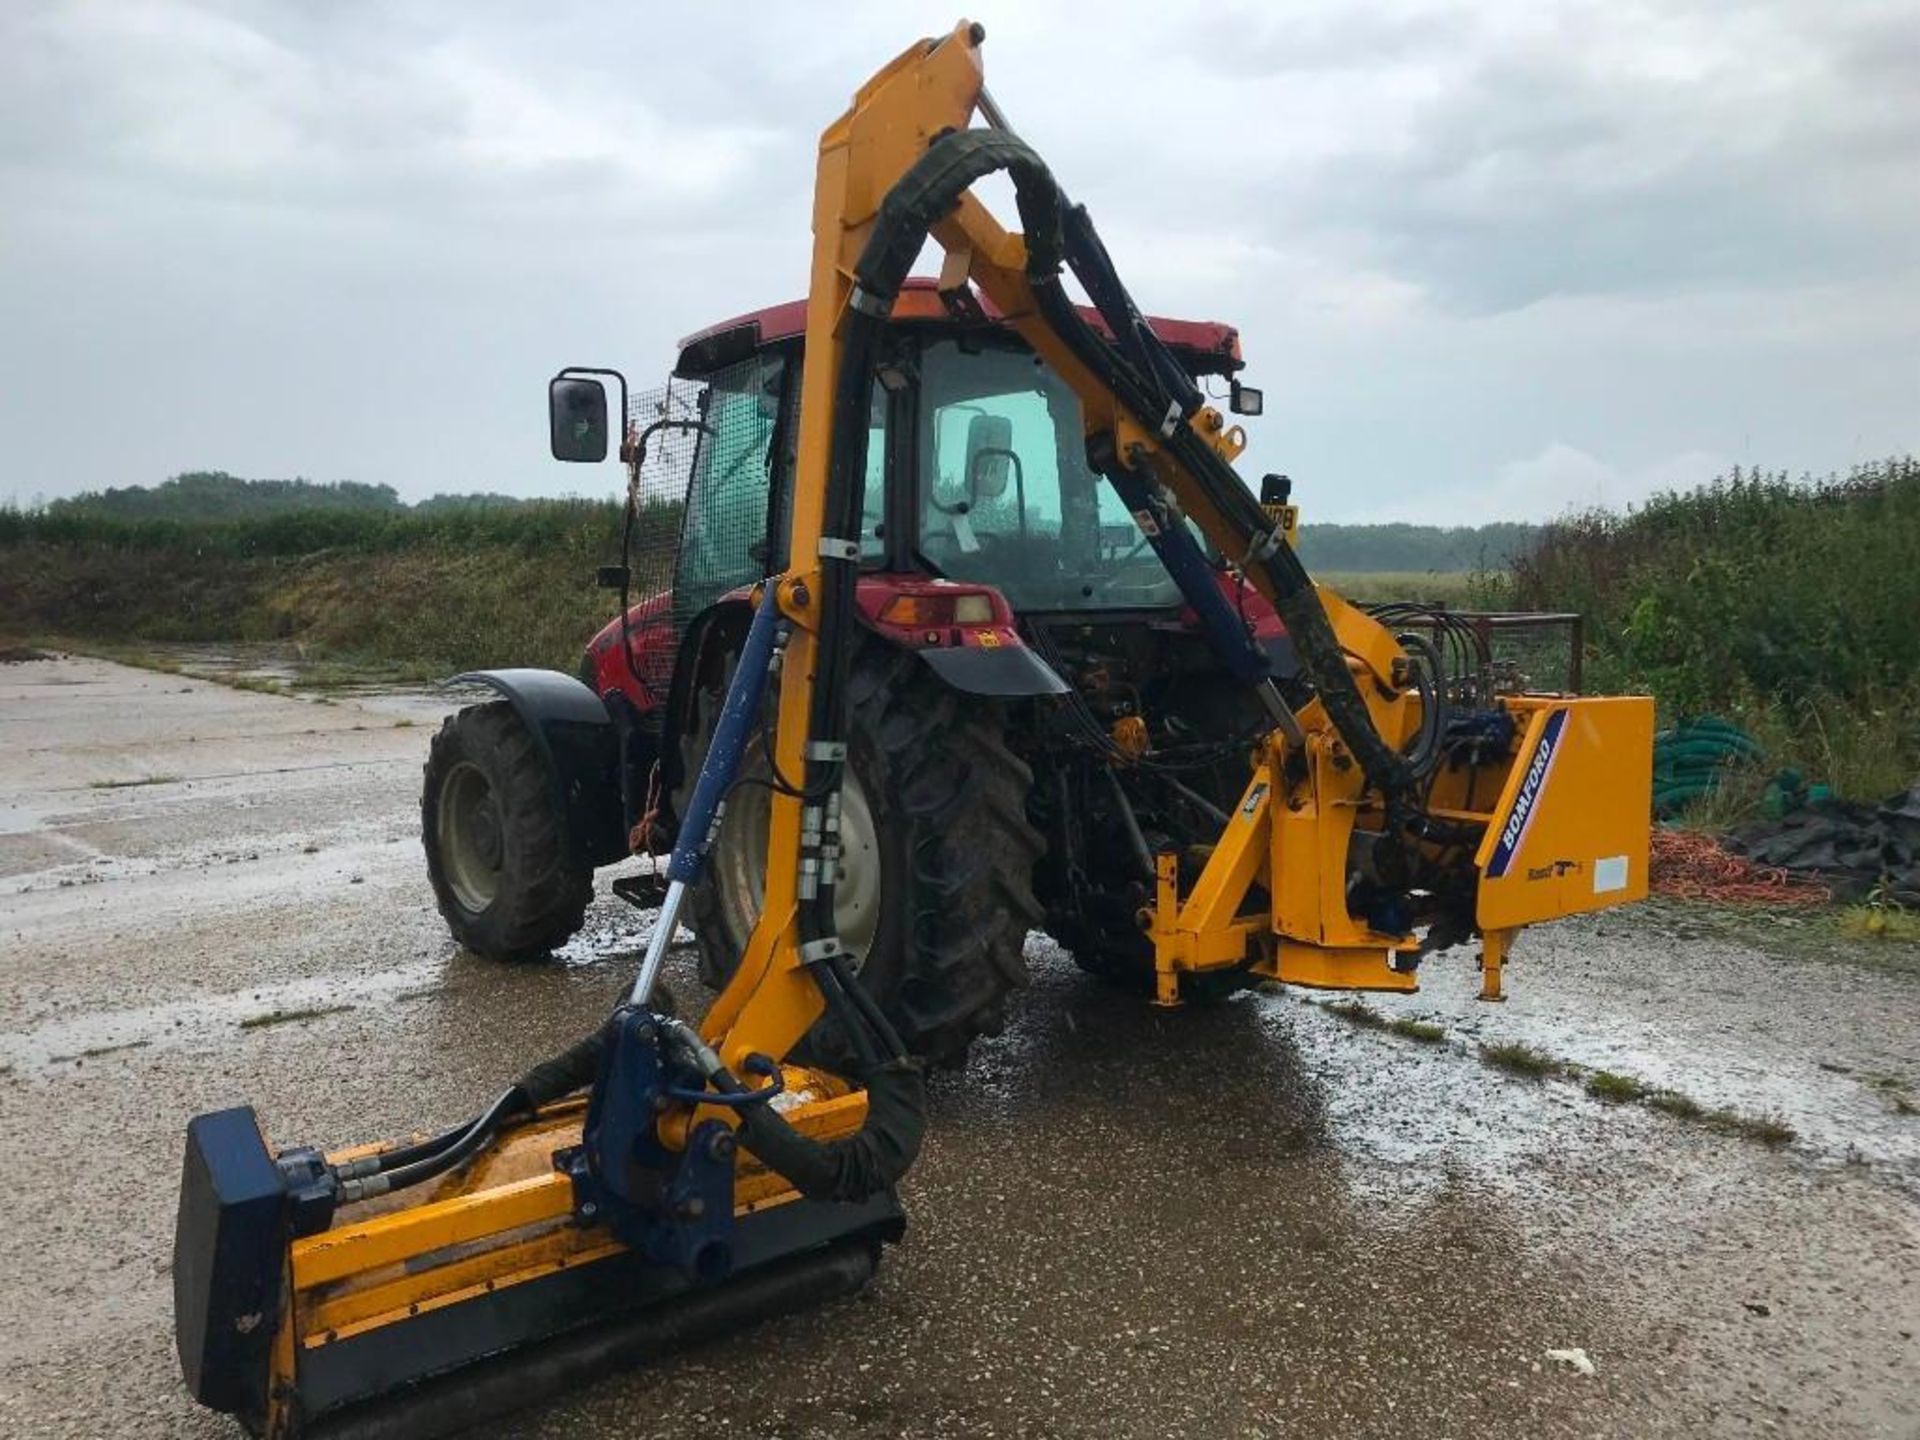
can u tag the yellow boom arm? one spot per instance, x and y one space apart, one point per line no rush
1296 850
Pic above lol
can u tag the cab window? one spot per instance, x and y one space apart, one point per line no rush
1006 495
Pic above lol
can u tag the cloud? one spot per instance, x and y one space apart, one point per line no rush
351 240
1561 479
1502 154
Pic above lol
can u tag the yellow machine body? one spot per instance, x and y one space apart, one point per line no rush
1565 815
1566 832
1569 831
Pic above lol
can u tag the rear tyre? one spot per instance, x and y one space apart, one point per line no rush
935 892
1104 937
497 852
1124 959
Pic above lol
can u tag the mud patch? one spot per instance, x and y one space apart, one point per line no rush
49 1050
289 1017
135 783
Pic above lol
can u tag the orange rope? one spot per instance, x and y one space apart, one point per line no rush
1692 866
646 838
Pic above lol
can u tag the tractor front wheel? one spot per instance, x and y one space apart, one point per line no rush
497 854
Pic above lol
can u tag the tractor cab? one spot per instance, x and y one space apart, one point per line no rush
977 477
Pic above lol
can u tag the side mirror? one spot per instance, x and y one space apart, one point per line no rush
1244 399
989 449
577 418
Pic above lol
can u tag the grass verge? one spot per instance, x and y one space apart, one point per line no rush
1614 1088
1672 1102
1769 1128
288 1017
1356 1013
1521 1059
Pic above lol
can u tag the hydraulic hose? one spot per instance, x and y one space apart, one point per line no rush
571 1070
399 1176
511 1102
1428 681
1294 595
860 1166
927 192
402 1155
851 1169
929 189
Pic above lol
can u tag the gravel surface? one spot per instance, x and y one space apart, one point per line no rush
1258 1218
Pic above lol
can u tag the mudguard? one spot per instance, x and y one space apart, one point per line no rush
579 743
1006 670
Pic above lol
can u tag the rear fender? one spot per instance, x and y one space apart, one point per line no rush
579 743
1008 671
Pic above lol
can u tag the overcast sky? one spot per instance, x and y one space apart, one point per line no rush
1488 260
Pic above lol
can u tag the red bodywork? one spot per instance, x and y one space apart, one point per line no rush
646 681
1209 347
654 641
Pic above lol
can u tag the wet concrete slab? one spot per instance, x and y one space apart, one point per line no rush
1251 1219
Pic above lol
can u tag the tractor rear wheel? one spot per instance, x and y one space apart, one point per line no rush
935 890
1124 959
497 854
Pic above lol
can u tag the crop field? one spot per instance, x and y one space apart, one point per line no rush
1785 605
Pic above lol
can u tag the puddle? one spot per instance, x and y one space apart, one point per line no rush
603 938
1724 1048
615 930
268 663
56 1046
1411 1121
17 819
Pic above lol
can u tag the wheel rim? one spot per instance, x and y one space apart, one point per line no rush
740 865
472 838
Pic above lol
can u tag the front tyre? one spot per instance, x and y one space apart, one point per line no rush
497 853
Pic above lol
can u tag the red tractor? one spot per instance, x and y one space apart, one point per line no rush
1035 711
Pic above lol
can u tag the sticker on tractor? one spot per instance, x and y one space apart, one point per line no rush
987 639
1527 802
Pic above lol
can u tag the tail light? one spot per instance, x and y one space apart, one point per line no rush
934 611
